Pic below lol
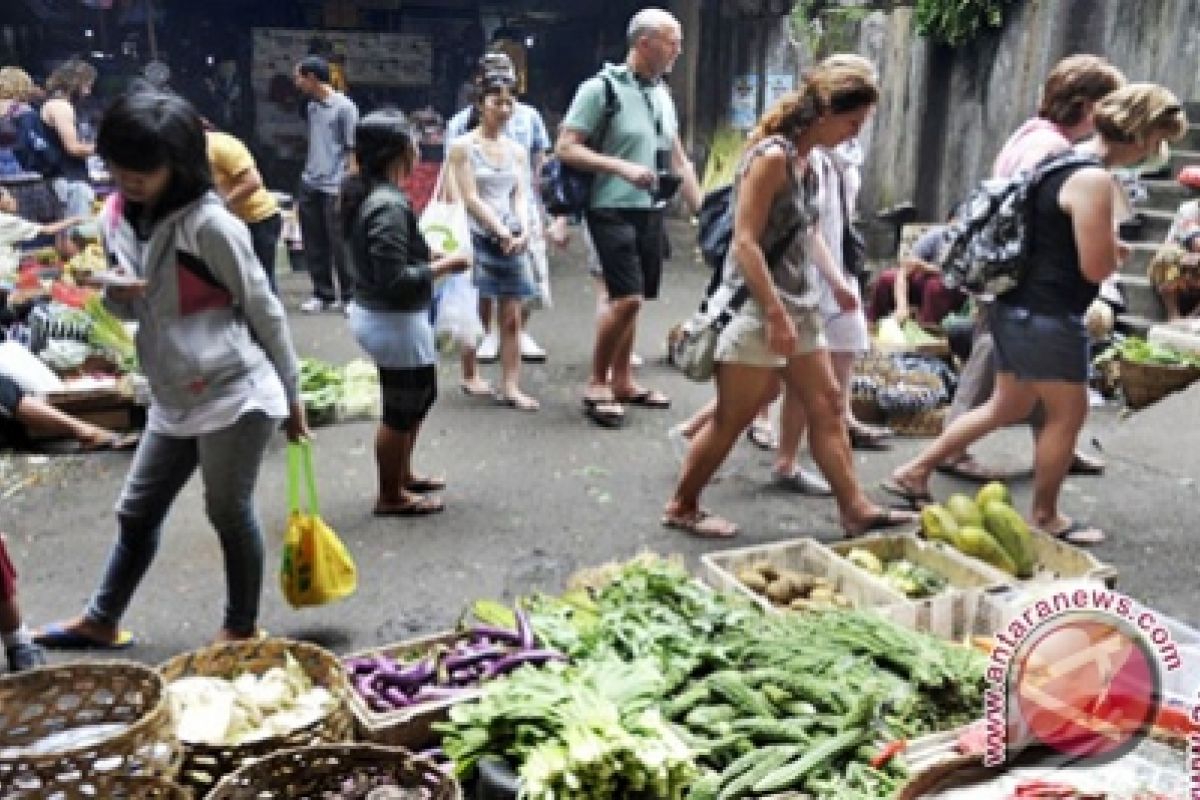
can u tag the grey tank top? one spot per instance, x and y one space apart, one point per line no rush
794 275
495 182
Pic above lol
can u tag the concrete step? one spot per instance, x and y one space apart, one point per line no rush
1191 139
1135 325
1153 228
1141 299
1163 194
1181 158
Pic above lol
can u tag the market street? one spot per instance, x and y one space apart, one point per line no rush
532 497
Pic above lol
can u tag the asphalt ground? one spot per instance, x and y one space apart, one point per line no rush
534 496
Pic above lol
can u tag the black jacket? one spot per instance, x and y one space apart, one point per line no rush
389 258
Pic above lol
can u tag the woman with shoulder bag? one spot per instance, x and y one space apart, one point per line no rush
393 271
776 336
1038 327
493 172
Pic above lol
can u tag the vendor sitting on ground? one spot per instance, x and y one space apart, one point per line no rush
1175 270
14 230
917 282
19 411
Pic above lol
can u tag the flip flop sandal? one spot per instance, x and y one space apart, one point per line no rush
968 469
55 636
881 520
1078 532
471 391
913 498
1083 464
426 484
524 403
646 398
605 413
418 508
702 525
761 436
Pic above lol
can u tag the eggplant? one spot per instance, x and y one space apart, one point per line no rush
509 663
468 657
495 634
525 629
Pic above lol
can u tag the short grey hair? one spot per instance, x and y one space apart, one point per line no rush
648 21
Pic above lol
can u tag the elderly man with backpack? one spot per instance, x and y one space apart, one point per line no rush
638 163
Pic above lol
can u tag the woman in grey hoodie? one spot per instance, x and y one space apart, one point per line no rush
214 345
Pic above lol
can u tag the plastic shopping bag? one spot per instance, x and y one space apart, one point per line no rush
457 322
317 568
444 222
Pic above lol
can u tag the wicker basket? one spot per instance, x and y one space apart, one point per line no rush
52 700
1146 384
205 764
148 789
309 771
918 423
866 409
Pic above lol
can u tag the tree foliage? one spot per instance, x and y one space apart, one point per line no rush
958 22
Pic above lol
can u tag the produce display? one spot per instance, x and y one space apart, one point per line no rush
910 579
764 703
217 711
791 589
447 671
986 527
907 334
1140 351
331 393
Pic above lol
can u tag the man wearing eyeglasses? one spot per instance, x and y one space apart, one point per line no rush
639 164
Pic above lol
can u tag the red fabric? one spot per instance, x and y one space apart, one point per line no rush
419 184
8 574
1190 176
927 296
197 294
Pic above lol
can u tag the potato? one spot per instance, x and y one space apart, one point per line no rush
766 569
752 580
781 591
822 594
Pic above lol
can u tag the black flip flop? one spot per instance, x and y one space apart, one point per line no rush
914 499
1075 534
646 398
605 413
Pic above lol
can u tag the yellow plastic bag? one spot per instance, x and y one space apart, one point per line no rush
317 568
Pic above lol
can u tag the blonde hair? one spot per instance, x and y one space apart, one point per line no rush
1138 110
15 84
842 82
1074 82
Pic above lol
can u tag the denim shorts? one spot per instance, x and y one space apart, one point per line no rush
1039 347
498 275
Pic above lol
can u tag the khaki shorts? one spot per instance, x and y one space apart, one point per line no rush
744 340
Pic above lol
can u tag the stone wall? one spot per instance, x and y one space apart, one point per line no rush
945 112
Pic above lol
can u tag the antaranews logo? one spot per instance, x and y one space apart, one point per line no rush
1078 672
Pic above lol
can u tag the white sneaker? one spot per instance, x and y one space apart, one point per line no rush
802 481
489 349
531 350
314 305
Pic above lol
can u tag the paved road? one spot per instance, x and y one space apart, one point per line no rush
532 497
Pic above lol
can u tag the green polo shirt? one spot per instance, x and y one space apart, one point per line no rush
644 123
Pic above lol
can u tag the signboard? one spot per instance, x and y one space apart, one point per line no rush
370 58
742 111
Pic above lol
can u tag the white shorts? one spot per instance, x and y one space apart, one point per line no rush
744 340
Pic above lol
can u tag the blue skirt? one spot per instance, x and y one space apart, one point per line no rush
497 275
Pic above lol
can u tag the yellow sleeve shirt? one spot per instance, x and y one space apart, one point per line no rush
229 158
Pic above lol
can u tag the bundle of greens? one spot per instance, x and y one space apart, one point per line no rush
320 389
108 334
576 732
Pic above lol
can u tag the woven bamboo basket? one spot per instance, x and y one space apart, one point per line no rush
1146 384
309 771
927 423
205 764
52 701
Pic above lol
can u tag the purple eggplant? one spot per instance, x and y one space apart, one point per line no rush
360 666
507 664
494 634
396 697
525 630
470 656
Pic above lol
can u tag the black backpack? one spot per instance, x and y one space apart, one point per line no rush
33 147
565 190
987 251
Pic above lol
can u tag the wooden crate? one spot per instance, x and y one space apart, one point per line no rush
409 727
1056 560
804 555
952 613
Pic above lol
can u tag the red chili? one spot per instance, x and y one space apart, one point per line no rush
889 751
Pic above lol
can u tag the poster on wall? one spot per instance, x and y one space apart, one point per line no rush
742 112
778 84
369 59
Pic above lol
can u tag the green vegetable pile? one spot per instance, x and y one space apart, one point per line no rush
765 703
332 393
109 335
1139 351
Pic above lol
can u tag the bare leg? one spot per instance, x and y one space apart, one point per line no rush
740 389
793 422
614 334
36 412
10 615
486 304
1010 403
510 353
1066 409
393 462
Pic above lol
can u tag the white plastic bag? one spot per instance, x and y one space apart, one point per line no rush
457 323
444 222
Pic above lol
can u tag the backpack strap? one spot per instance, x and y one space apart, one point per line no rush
611 107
